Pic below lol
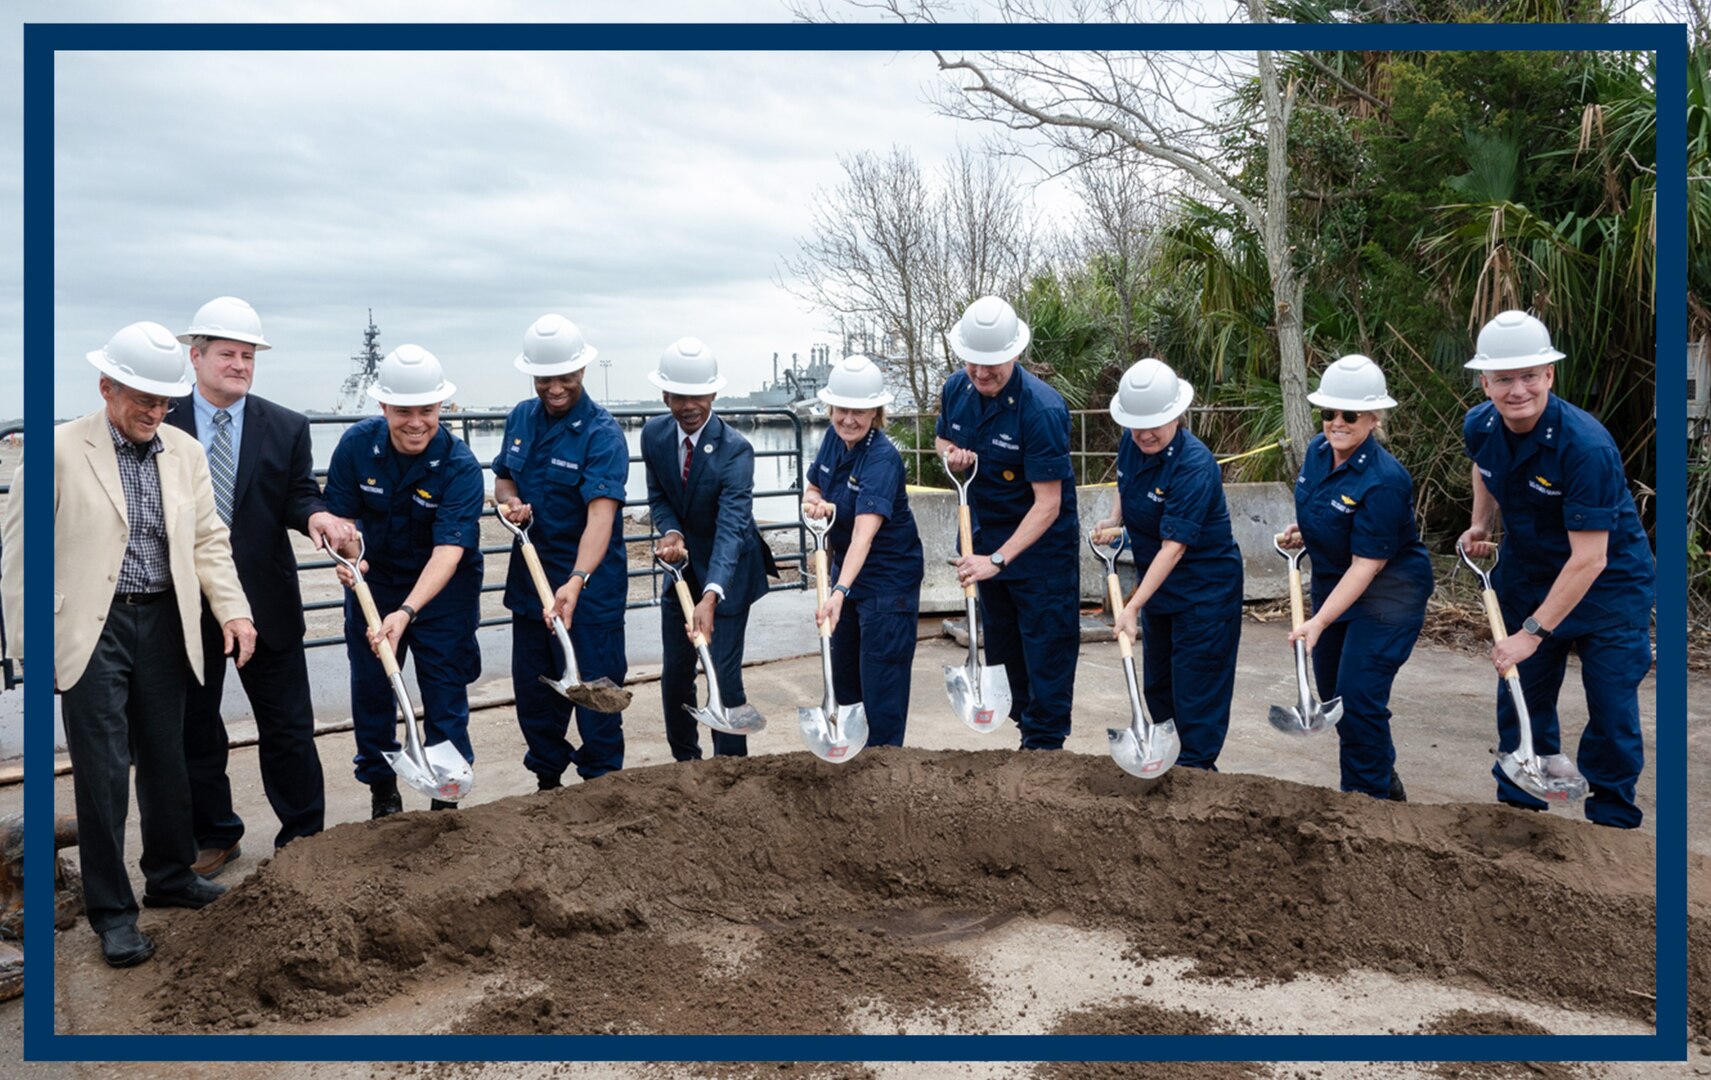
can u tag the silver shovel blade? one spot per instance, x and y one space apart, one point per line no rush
736 720
1553 779
986 711
836 743
1316 722
1148 753
601 695
442 773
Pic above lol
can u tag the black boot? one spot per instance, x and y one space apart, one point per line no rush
543 782
441 804
384 800
1397 794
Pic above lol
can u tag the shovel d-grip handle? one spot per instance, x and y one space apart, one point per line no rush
1297 606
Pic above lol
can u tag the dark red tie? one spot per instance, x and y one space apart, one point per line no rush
688 456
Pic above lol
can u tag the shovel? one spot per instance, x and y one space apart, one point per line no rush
833 732
438 771
980 694
1143 749
1308 716
1553 777
738 720
601 695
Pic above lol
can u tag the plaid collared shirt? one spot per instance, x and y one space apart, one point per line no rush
147 566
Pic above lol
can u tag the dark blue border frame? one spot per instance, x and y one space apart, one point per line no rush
1669 42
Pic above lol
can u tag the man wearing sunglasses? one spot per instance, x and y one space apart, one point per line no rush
1574 568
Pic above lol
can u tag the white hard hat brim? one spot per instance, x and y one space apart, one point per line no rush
845 401
1514 363
574 364
687 389
1326 401
1184 395
189 337
135 381
425 397
991 358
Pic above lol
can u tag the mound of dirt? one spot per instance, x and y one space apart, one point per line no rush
1469 1022
782 894
1133 1017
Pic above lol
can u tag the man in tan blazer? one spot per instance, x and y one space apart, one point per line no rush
137 544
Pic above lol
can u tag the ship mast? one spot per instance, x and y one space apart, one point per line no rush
365 366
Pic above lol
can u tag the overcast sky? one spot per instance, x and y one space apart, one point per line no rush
460 195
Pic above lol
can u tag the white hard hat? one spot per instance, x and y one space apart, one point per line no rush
411 375
229 318
989 332
554 346
144 356
1150 395
688 366
1513 340
1353 382
856 383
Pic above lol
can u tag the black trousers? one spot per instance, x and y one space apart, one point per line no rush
677 680
276 680
127 706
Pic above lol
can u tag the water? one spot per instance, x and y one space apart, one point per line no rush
772 473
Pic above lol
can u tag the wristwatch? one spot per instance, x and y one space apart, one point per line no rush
1531 626
999 560
408 610
583 574
841 587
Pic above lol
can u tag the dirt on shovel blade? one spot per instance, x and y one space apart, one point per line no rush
780 894
608 698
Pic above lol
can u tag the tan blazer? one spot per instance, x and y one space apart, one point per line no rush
12 564
90 532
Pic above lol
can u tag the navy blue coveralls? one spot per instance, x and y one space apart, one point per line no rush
1022 437
1192 625
559 465
1567 474
873 646
406 506
1363 507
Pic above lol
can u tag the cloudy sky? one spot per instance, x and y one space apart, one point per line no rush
459 195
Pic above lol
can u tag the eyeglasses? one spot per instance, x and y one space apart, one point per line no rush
1529 380
150 404
1348 415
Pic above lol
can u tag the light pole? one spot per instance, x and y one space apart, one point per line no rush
606 375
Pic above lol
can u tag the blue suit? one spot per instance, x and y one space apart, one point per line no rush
406 506
1192 626
1031 611
714 513
560 465
1566 474
873 647
1364 507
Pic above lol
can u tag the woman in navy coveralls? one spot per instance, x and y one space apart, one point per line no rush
1354 503
1189 602
877 561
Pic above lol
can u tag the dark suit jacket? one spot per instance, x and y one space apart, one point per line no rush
714 512
275 491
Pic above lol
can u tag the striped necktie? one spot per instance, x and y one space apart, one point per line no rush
222 465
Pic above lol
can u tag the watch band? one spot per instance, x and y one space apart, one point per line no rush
583 574
408 610
841 587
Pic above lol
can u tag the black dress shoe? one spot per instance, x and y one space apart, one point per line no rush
384 800
1397 792
441 804
199 894
125 946
543 782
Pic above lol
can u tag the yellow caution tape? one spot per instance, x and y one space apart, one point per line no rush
1250 453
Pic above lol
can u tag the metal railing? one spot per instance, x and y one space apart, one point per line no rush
1096 466
464 423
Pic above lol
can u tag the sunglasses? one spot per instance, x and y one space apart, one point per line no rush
1349 416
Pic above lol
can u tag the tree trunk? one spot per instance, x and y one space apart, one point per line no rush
1287 289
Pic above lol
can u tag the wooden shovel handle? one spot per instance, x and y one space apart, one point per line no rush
1297 607
1124 646
965 528
1494 616
371 615
688 605
539 574
820 589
